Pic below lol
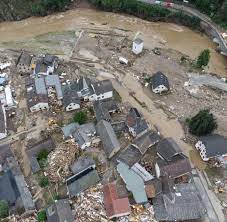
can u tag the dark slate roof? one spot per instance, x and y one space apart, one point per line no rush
82 164
146 140
83 83
138 41
101 112
174 169
79 183
159 79
130 155
136 121
5 152
33 151
49 59
186 204
168 148
25 59
102 87
108 137
215 145
2 120
70 96
60 211
69 129
8 188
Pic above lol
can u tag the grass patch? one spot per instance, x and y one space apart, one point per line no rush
212 172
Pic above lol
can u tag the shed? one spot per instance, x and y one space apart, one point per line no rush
137 46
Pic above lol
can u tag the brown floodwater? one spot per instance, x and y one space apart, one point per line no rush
154 34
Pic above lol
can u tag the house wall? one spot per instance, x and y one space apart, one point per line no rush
157 170
39 106
159 89
106 95
72 106
202 150
137 48
23 68
85 145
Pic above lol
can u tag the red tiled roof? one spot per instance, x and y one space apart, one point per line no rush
115 207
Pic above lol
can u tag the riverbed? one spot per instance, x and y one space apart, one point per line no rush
155 34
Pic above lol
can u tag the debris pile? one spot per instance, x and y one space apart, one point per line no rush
60 159
89 207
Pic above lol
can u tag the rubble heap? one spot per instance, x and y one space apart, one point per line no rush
89 207
60 159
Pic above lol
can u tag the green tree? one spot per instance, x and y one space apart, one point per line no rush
223 11
204 58
41 216
44 181
202 123
80 117
4 209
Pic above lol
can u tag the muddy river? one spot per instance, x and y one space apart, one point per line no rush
154 34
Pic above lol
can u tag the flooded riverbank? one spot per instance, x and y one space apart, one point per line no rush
154 34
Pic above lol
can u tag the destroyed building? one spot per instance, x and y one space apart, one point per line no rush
135 122
46 65
34 149
24 63
172 162
84 176
59 211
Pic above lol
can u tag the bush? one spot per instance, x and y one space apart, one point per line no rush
4 209
203 58
44 181
80 117
43 154
202 123
41 216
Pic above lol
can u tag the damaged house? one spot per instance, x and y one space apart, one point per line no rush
212 147
104 108
159 83
59 211
39 89
84 176
136 123
172 162
71 100
13 187
46 65
179 202
84 135
115 206
24 63
108 137
34 150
